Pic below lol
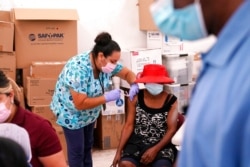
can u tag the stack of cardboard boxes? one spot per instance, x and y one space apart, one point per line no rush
39 83
108 130
7 54
44 35
44 39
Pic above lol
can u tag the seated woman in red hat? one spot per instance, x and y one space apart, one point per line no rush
150 124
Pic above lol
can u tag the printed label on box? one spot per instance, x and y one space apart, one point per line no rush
115 107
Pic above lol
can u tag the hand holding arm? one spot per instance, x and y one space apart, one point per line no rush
134 89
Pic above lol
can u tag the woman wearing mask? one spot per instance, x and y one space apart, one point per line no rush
150 124
81 91
218 117
45 145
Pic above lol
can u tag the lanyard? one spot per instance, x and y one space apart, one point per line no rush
104 105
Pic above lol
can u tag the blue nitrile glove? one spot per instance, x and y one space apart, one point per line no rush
134 89
112 95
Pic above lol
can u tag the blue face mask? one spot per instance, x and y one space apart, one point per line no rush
186 23
153 88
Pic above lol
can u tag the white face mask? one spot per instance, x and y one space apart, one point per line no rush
4 112
186 23
108 68
153 88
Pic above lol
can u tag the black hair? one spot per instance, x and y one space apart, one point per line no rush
12 154
105 44
4 82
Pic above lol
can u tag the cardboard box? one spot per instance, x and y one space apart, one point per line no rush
146 21
44 35
40 91
179 67
108 130
8 64
46 113
5 16
6 32
135 59
46 69
168 44
25 73
154 39
182 92
60 134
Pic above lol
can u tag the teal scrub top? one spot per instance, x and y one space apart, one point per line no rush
77 74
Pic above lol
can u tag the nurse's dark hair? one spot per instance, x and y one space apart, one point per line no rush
105 44
4 82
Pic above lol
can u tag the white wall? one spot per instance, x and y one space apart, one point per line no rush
118 17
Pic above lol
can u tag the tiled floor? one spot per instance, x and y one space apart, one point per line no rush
103 158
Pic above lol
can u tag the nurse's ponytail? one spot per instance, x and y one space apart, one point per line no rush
105 44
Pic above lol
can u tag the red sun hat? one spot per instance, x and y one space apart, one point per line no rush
154 73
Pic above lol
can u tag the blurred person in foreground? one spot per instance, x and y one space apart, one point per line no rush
82 89
217 130
150 123
12 154
18 135
45 145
